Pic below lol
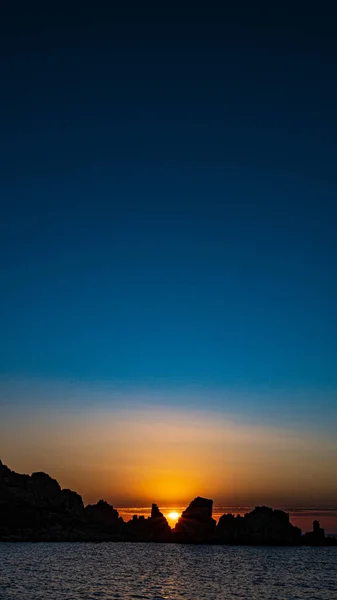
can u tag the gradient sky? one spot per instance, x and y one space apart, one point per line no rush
168 254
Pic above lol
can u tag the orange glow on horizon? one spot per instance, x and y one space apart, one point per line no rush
137 457
173 517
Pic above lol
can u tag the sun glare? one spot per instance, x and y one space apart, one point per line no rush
173 516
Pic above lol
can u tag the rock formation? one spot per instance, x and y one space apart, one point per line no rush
196 523
160 529
35 508
155 512
38 490
153 529
104 517
229 528
316 537
261 526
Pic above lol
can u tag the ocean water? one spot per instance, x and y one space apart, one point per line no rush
165 571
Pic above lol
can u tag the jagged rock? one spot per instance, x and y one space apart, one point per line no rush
196 523
38 490
261 526
159 527
14 486
72 502
267 526
316 537
199 509
153 529
228 529
101 512
32 506
35 508
155 512
45 487
103 515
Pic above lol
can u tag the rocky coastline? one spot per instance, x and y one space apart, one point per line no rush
34 508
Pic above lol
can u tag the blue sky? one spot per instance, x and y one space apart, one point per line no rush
168 208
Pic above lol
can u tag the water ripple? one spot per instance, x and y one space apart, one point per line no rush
165 572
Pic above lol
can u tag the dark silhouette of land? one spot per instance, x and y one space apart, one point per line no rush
35 508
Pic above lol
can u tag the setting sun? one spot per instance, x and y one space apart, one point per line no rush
173 516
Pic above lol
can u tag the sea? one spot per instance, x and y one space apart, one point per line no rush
130 571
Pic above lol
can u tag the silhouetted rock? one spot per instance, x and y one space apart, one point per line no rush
267 526
72 502
160 529
261 526
196 523
229 528
38 490
104 516
155 512
46 489
35 508
316 537
101 512
153 529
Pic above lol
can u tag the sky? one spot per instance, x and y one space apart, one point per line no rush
168 254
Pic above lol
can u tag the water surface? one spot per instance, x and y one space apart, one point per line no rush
165 571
